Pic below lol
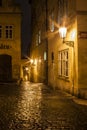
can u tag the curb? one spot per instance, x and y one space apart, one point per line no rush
80 101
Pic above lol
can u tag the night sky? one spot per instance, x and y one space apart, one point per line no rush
26 21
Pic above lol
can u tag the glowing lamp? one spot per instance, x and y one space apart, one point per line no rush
63 32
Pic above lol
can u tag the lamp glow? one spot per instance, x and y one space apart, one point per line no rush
31 61
62 32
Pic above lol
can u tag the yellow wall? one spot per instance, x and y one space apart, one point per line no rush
81 5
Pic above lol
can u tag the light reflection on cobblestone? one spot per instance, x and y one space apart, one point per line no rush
28 107
35 107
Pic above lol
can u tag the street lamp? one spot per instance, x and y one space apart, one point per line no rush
63 32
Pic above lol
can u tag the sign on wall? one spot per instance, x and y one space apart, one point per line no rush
3 46
82 35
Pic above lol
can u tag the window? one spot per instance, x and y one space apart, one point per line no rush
63 63
0 31
45 56
39 37
9 32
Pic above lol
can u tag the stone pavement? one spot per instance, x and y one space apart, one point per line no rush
33 106
76 99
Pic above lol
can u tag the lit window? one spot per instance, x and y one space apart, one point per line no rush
0 31
45 55
39 36
9 32
63 63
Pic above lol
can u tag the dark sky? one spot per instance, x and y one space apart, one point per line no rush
26 21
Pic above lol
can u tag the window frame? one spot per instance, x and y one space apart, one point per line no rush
9 32
63 63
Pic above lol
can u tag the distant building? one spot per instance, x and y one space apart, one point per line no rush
62 62
10 40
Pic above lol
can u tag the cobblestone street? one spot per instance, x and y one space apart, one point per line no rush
36 107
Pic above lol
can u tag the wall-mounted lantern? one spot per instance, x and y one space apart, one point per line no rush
63 32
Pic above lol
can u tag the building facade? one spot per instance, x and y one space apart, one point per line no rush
10 40
39 44
66 61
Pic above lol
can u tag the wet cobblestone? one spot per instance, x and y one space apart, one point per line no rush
36 107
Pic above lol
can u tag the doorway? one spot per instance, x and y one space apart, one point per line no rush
5 68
